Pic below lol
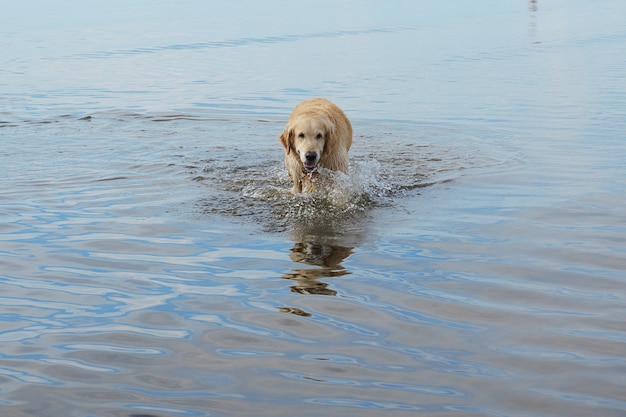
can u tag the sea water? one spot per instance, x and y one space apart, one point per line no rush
153 262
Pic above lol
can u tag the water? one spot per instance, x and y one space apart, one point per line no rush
472 264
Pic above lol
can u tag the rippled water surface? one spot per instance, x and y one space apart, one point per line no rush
473 263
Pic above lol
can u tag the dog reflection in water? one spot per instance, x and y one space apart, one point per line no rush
327 258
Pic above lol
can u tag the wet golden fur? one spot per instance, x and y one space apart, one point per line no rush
317 134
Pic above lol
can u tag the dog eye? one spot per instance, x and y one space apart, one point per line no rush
319 136
301 135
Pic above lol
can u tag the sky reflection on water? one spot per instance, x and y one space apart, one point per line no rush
471 265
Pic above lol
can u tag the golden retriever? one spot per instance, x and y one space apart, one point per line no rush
317 134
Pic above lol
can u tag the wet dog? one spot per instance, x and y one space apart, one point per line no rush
317 135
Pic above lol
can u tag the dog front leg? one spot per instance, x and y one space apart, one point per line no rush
297 186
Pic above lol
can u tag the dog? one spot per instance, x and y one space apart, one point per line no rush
317 135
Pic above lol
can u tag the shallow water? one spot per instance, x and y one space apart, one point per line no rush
473 262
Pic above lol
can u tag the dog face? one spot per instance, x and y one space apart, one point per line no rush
308 138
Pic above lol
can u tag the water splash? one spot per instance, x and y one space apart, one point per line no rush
337 197
249 183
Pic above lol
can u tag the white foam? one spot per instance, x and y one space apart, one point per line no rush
336 196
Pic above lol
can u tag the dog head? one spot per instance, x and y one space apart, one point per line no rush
311 138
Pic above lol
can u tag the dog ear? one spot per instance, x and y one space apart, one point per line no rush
331 142
285 138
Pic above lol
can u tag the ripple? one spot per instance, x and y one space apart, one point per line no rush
239 42
412 158
366 404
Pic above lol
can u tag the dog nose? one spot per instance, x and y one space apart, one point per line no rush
310 156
